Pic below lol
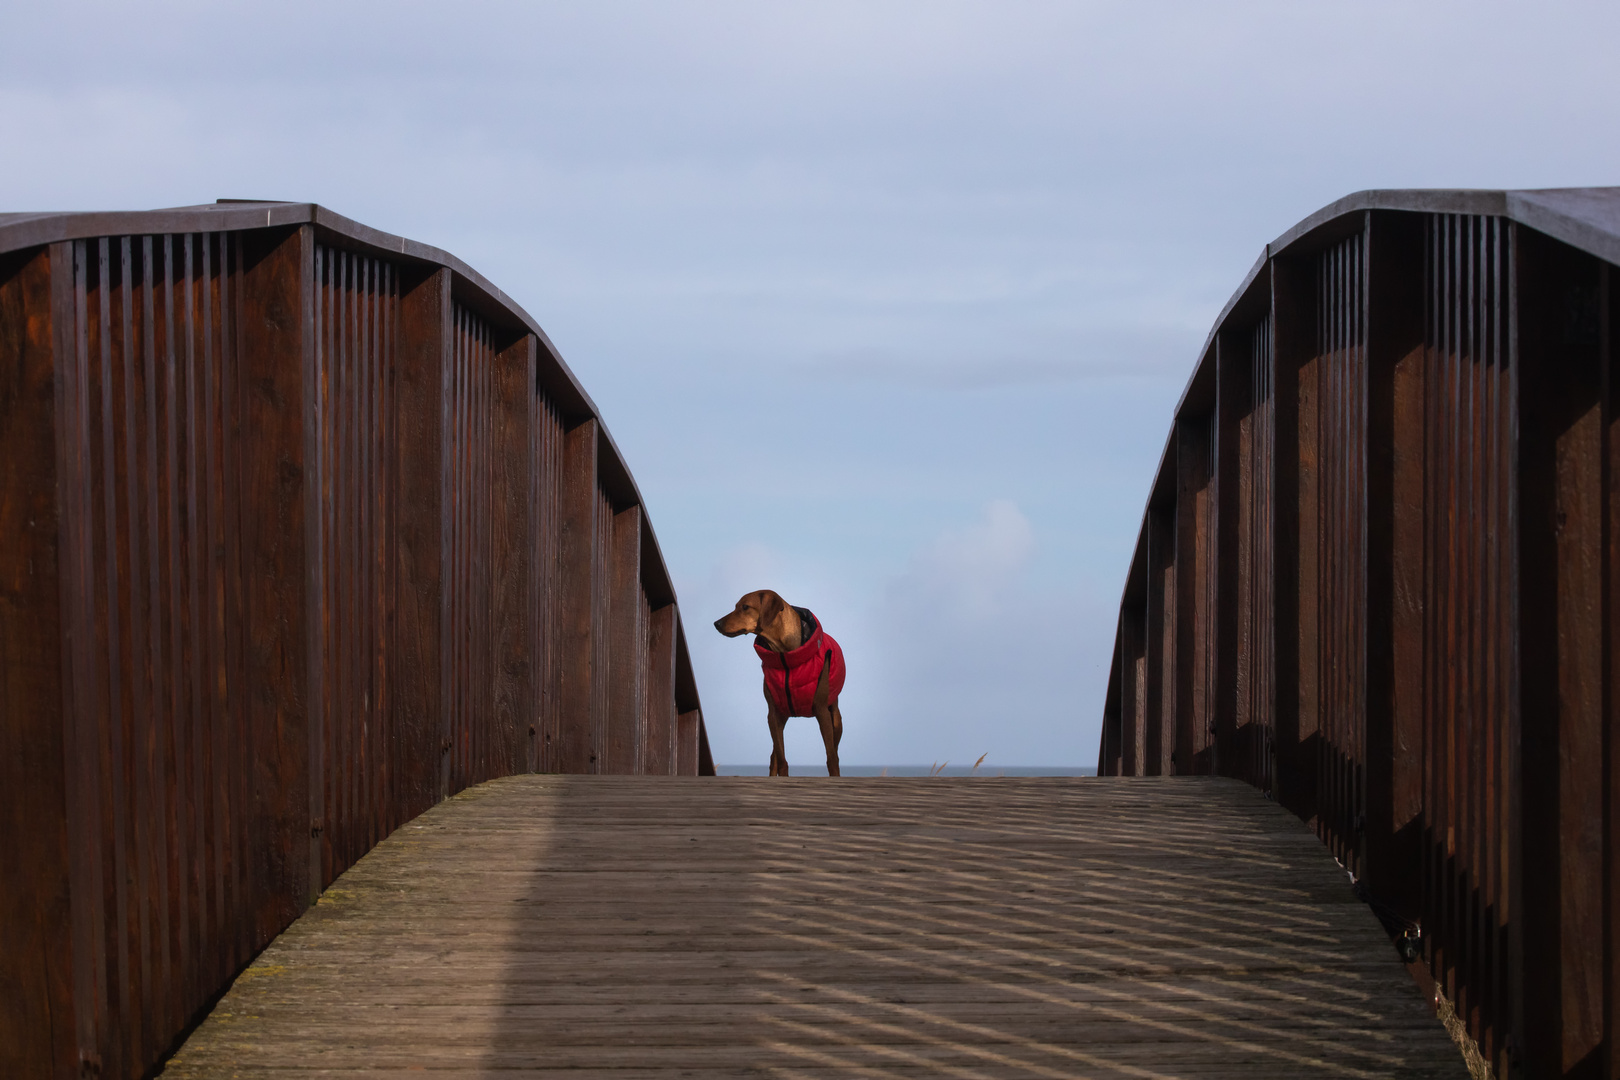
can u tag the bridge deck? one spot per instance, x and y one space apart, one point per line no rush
639 927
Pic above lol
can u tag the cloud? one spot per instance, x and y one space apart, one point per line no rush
969 574
978 654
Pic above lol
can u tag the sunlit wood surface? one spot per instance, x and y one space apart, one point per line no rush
641 927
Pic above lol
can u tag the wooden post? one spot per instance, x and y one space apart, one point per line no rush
1161 642
1233 562
1561 496
576 578
1133 691
660 722
277 341
1609 351
513 551
686 744
1395 448
1192 672
37 950
627 650
1293 317
418 678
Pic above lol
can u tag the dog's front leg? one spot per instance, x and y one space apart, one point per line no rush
779 764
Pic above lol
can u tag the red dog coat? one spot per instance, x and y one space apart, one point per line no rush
791 677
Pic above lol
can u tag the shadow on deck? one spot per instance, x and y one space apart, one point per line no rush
975 927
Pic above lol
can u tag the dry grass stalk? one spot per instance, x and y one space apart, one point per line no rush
1478 1067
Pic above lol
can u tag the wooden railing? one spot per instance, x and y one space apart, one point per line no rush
306 528
1379 578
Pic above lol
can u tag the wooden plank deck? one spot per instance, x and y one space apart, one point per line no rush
645 927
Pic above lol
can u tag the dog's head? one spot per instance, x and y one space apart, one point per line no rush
754 611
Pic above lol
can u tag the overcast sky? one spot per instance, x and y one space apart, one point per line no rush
887 304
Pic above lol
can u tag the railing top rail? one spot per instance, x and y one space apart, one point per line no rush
1587 219
19 231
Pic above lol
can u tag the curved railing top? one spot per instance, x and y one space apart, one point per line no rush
1587 219
19 231
1584 218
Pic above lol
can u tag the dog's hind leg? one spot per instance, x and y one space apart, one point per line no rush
832 724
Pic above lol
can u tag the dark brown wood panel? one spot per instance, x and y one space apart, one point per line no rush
1293 319
277 342
291 508
1193 614
513 529
423 358
1560 600
1161 642
1133 661
1394 737
602 675
549 610
1609 352
577 571
352 534
37 1033
660 692
686 743
626 740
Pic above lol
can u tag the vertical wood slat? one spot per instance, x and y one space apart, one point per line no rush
1300 370
548 504
353 543
1259 747
1468 658
1246 649
38 957
1337 602
468 648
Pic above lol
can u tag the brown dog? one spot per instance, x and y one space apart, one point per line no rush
804 669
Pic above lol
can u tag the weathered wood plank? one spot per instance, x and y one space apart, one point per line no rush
648 927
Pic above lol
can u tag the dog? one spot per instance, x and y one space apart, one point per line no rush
804 669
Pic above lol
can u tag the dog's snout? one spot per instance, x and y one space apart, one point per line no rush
717 623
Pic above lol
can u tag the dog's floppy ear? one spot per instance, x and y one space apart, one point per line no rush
771 608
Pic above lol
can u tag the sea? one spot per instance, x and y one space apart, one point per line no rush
946 769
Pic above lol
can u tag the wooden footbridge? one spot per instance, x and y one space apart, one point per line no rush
551 926
349 724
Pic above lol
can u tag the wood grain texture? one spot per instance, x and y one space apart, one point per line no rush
35 929
649 927
627 650
423 357
577 570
